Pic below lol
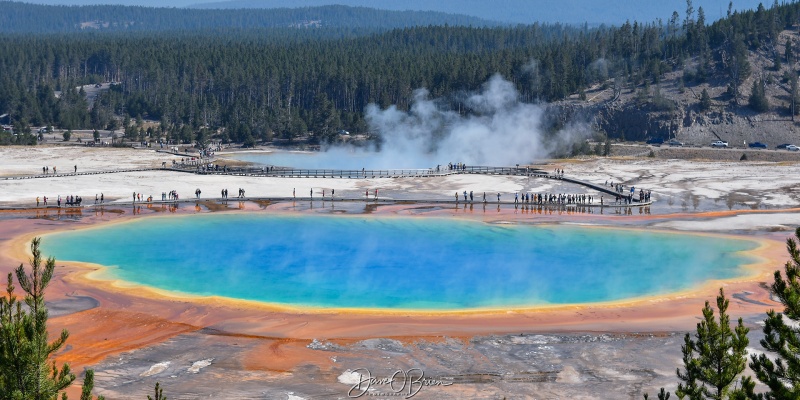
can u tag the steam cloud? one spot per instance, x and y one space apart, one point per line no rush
499 131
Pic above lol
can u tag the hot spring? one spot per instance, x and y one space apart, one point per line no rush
398 263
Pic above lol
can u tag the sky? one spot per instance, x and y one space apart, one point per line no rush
511 11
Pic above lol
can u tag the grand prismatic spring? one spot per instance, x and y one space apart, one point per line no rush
399 263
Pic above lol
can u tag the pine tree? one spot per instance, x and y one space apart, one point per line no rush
758 97
26 371
705 101
159 395
715 357
782 337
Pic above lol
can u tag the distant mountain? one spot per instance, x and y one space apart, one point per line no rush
594 12
18 17
141 3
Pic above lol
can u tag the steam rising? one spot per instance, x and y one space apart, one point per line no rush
498 130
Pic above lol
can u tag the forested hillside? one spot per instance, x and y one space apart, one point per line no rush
254 84
18 17
594 12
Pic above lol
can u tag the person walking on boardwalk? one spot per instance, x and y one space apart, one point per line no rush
456 197
465 196
76 169
134 197
45 200
101 198
311 193
484 197
333 191
498 197
376 194
37 201
470 196
293 196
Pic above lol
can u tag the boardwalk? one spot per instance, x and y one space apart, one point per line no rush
281 172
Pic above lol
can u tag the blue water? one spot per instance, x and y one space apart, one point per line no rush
379 262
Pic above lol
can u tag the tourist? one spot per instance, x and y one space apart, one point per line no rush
54 170
376 194
311 193
456 197
134 197
44 198
37 201
465 196
293 196
76 169
484 197
333 191
498 197
101 198
43 170
470 196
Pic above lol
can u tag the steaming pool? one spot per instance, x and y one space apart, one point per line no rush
398 263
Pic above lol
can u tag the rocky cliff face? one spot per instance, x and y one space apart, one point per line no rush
628 121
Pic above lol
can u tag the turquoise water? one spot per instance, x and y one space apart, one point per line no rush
374 262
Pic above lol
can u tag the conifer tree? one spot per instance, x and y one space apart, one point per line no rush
758 97
26 370
782 337
705 100
713 360
717 355
159 393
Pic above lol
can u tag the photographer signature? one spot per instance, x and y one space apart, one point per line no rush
401 383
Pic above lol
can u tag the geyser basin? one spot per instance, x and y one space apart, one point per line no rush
394 263
338 158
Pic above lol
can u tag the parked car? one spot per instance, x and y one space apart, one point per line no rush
655 141
783 146
792 147
675 142
719 143
757 145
